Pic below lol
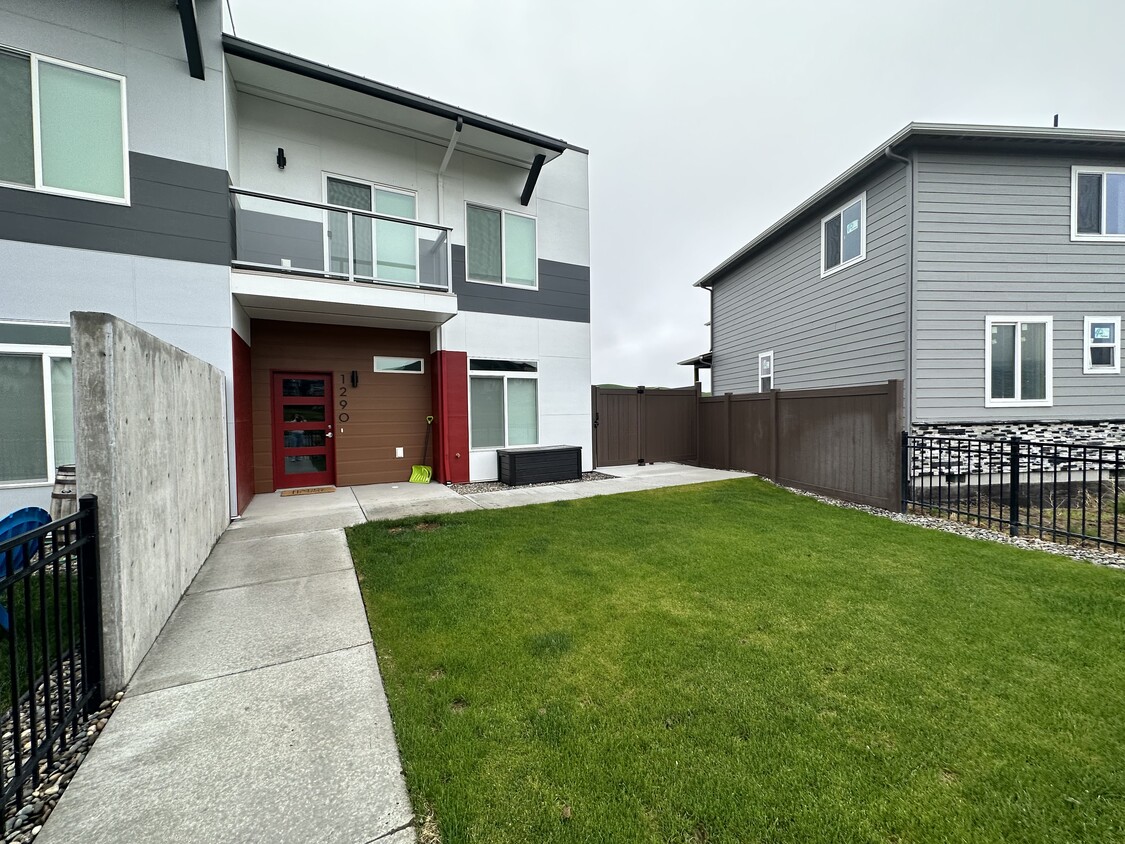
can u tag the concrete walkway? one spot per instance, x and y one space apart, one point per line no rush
259 714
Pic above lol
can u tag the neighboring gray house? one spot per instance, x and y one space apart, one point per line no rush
983 265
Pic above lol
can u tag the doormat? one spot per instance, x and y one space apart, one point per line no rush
312 490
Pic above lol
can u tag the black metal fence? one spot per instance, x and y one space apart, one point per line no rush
50 598
1062 492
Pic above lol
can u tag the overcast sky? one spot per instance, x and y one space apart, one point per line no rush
706 121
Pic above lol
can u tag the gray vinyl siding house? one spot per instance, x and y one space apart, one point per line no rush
963 225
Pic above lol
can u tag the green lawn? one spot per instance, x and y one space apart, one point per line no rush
733 663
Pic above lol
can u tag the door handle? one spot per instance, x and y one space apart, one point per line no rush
328 436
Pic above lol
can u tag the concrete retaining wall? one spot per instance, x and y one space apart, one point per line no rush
150 434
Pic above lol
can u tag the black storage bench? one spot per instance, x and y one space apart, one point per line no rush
537 464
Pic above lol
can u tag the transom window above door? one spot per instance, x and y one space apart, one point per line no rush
366 248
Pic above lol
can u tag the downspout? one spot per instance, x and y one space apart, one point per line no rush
908 392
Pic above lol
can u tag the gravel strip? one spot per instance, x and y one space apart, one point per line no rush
21 827
496 486
1106 558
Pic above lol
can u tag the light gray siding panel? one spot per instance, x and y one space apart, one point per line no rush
993 238
846 329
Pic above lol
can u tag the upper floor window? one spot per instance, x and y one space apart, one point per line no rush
1097 203
765 372
1101 348
371 249
62 128
1018 361
500 247
844 236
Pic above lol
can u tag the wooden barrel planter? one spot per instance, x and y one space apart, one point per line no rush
64 497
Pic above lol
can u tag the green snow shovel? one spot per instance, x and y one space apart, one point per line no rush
422 474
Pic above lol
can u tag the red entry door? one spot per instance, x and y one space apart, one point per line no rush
303 451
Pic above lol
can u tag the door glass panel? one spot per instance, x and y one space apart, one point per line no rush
17 157
1003 361
395 243
302 413
62 410
349 195
23 423
80 131
302 387
305 439
306 463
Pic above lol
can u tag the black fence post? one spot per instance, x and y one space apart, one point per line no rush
91 600
904 472
1014 486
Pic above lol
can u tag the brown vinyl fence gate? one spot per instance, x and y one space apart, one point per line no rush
842 442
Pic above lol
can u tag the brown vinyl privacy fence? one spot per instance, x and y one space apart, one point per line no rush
842 442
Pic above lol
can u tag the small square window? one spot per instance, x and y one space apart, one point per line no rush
1097 209
844 236
1101 346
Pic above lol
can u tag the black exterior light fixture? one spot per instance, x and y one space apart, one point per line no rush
355 379
280 158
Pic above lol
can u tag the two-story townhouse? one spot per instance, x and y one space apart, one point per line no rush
355 258
983 265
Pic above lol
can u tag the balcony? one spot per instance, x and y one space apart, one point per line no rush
305 261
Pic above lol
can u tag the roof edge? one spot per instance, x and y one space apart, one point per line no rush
240 47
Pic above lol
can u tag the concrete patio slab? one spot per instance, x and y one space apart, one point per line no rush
259 560
297 752
246 627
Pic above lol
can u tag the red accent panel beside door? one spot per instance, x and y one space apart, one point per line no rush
451 410
243 422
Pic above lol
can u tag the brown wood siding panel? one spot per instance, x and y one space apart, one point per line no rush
385 411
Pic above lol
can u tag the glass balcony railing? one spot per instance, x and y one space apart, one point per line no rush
285 235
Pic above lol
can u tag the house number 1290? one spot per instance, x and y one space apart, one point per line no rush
343 417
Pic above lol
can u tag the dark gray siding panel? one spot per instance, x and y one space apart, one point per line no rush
178 211
563 294
994 240
843 330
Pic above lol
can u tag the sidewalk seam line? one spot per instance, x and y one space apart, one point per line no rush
264 582
367 644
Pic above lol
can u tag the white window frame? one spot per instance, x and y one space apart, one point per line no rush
1095 238
47 353
1017 320
1087 367
504 214
862 199
762 358
374 279
420 371
37 147
493 373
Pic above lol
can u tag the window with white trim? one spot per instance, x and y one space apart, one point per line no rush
36 410
765 372
410 365
63 128
1097 203
500 247
1101 346
1018 360
503 403
843 236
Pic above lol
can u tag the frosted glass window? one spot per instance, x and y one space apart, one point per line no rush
486 407
483 255
523 411
17 154
80 131
519 250
62 410
23 419
1003 361
396 244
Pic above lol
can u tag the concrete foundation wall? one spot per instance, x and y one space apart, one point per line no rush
150 432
